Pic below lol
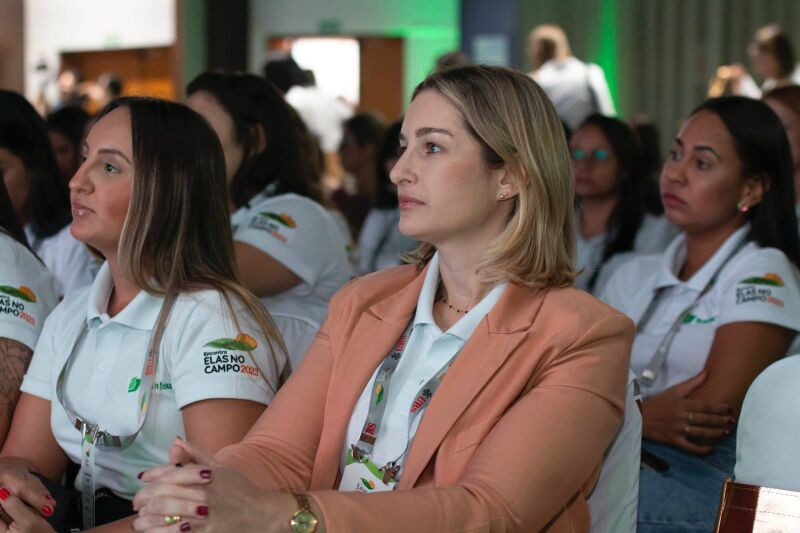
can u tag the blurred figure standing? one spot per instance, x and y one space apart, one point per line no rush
66 129
577 89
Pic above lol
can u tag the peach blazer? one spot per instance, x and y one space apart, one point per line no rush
512 441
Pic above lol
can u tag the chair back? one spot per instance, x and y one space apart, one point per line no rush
753 509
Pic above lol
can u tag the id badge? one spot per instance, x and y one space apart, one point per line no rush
88 451
363 476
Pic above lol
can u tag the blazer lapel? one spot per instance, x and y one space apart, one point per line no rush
485 351
377 330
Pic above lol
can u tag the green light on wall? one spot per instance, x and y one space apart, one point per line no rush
607 56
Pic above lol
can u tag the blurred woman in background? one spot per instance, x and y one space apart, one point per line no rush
289 250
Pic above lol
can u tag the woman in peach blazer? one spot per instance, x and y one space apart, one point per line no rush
513 439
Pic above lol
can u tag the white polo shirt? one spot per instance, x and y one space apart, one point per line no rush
203 355
427 351
301 235
654 235
27 292
67 258
756 285
769 429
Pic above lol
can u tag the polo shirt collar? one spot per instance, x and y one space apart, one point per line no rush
673 258
466 325
141 313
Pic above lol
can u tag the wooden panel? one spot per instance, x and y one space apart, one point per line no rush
144 71
382 76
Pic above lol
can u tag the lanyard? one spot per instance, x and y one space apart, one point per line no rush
92 436
653 368
379 398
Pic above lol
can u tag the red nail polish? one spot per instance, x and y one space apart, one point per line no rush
4 494
205 474
48 498
46 510
202 510
186 526
140 475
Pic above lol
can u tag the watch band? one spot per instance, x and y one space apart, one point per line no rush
303 520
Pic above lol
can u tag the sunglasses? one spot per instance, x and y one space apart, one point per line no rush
594 155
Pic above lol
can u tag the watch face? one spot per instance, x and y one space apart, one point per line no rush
303 522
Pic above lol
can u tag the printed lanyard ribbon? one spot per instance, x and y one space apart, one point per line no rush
653 368
92 437
379 398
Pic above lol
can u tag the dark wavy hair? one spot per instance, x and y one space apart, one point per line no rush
8 218
288 162
385 192
627 216
762 147
23 133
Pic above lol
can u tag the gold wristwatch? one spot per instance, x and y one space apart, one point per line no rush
303 520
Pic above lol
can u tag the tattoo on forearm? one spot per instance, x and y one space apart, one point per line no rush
14 360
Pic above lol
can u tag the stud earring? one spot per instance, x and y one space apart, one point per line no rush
742 206
502 196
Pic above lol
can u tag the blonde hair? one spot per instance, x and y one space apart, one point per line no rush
515 124
176 236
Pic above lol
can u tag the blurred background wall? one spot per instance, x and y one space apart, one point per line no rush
658 55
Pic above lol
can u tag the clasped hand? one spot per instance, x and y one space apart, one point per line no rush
197 493
694 426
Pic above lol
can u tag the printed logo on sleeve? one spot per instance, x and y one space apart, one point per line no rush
281 226
771 279
757 289
226 359
13 300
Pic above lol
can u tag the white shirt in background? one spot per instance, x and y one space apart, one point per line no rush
27 292
577 89
654 235
302 236
322 113
427 351
769 429
67 258
103 383
380 243
756 285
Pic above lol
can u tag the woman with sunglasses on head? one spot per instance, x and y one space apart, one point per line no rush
164 342
289 249
441 395
716 308
610 218
27 295
39 194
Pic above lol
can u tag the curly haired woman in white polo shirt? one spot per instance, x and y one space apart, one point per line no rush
165 342
716 308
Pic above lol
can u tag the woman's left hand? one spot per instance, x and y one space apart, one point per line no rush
205 496
26 520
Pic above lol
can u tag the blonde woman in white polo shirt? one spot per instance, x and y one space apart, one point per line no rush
289 249
27 295
716 308
165 342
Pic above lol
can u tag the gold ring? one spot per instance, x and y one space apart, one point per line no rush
173 519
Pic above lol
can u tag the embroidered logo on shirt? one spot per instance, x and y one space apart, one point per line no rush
13 300
771 279
274 224
693 319
133 386
225 358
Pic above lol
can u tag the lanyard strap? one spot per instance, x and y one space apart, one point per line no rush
92 436
653 368
379 399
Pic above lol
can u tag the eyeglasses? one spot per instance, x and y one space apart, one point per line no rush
593 155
